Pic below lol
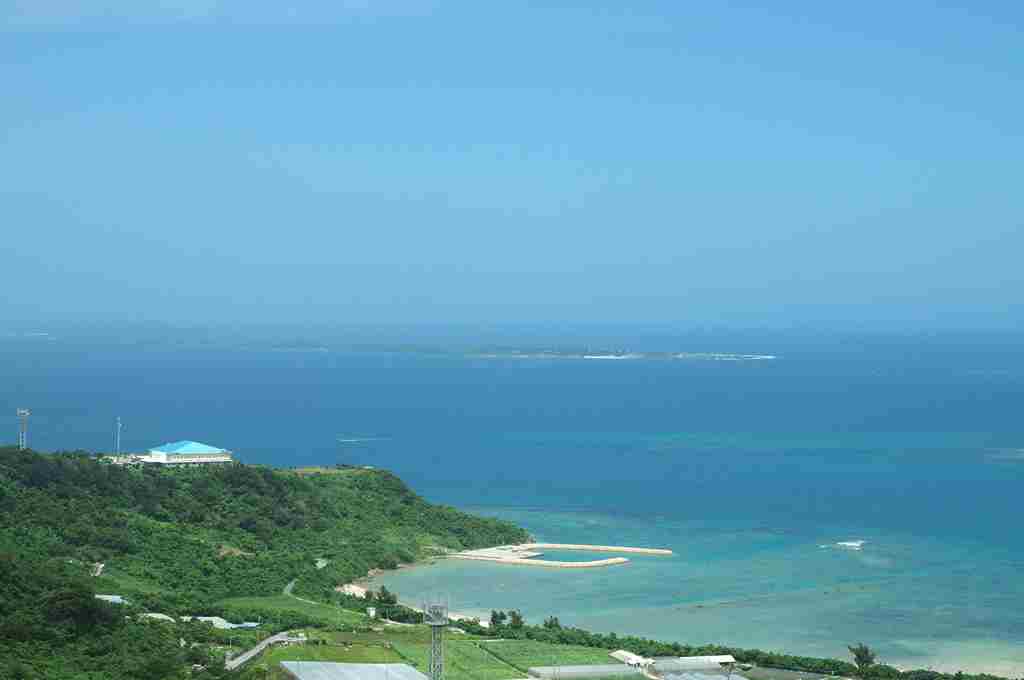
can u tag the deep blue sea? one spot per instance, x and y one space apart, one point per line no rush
750 470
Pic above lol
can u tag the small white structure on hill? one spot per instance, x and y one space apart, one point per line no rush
685 664
176 453
157 616
631 659
220 623
714 661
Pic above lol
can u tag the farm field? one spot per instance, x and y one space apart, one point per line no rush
526 653
328 614
466 657
269 664
464 660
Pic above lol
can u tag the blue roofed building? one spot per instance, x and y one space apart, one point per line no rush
188 452
183 452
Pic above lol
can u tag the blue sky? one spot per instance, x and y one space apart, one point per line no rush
743 164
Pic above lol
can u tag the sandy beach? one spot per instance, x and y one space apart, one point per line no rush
526 554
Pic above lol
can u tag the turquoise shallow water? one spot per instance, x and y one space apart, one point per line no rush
914 444
920 602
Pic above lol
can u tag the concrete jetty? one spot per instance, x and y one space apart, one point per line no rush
545 563
525 554
597 548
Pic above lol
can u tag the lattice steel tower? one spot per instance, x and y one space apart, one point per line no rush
23 414
435 615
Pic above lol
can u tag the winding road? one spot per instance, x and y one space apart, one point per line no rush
236 661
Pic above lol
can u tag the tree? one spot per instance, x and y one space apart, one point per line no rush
515 619
75 604
386 597
553 623
498 618
863 656
18 671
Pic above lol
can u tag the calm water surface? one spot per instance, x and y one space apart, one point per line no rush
745 469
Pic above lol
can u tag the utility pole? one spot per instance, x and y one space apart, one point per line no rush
23 414
435 615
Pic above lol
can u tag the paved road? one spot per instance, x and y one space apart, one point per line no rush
236 661
288 591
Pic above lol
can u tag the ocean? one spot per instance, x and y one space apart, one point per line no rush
750 470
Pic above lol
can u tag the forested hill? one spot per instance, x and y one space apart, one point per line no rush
177 541
199 535
202 534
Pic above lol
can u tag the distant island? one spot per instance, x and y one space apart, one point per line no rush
328 342
616 355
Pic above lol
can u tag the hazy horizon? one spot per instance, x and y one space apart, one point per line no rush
432 163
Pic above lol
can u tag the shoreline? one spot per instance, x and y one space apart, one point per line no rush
525 553
597 548
551 564
360 587
516 554
974 661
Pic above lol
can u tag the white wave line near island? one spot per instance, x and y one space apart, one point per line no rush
846 545
617 355
525 554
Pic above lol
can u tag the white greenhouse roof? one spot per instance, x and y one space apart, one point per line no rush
687 663
583 672
321 670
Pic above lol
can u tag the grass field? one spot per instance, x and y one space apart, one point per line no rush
387 634
526 653
463 660
116 581
269 662
348 654
328 614
466 657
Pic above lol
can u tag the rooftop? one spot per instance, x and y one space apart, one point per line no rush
321 670
186 446
698 675
683 664
585 671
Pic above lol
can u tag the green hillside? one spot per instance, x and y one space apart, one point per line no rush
247 542
178 541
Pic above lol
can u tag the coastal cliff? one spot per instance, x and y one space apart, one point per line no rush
179 540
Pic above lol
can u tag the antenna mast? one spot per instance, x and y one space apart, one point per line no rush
23 414
435 615
117 438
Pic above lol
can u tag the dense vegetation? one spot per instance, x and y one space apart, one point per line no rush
511 626
177 541
52 626
227 540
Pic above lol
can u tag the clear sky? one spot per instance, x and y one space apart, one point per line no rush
738 163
